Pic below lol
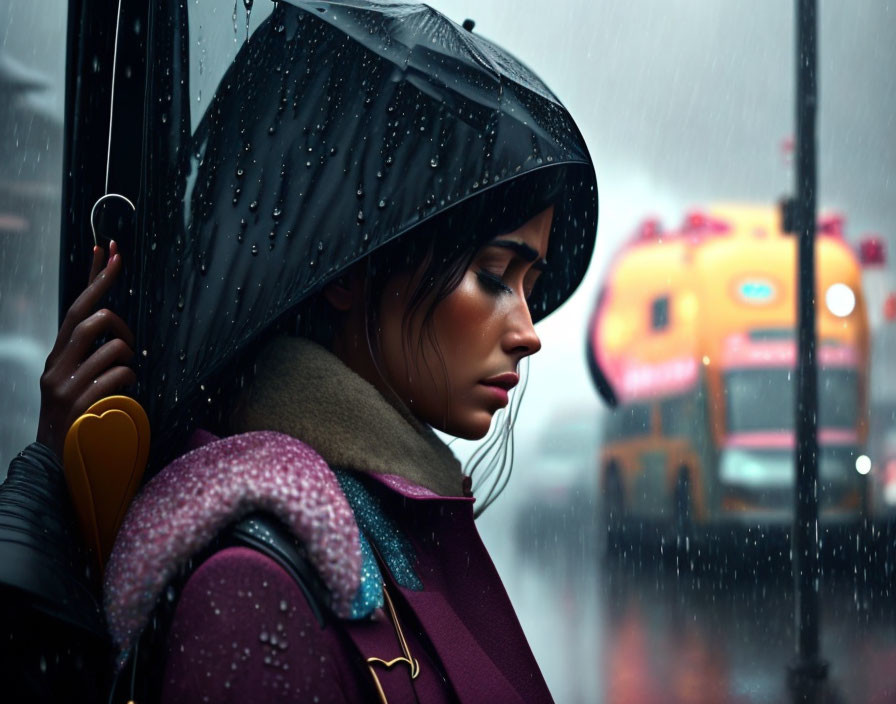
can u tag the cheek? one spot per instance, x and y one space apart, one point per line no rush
466 317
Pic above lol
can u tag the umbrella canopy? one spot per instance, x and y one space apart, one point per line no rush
339 127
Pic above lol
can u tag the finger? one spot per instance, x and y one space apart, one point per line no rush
96 264
103 323
109 383
114 353
86 302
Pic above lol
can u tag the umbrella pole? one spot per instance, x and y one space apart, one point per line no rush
809 670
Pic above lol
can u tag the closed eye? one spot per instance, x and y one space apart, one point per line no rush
492 282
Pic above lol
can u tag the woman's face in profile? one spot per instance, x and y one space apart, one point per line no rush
455 372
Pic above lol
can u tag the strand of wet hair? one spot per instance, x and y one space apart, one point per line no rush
496 454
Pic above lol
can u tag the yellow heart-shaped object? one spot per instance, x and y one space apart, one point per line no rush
105 455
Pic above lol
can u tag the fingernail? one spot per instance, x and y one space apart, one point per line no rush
116 258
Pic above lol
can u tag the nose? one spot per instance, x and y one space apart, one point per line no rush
520 338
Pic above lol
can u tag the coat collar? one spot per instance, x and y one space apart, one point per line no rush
305 391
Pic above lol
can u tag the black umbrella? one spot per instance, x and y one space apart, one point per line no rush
339 127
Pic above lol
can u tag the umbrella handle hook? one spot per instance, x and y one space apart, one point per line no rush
100 200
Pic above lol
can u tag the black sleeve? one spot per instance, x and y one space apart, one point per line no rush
54 646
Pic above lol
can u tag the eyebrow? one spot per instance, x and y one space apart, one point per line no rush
523 251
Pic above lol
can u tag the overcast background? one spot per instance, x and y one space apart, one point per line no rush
682 103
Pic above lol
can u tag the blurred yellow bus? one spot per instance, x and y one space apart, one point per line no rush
695 329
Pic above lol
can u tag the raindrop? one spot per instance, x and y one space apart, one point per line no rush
360 216
239 172
381 204
308 164
360 192
182 355
277 213
283 605
320 246
434 162
388 161
253 206
248 5
180 303
169 594
43 664
333 151
145 353
264 637
254 249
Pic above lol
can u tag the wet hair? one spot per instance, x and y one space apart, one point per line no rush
438 253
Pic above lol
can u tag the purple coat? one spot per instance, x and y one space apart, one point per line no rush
243 630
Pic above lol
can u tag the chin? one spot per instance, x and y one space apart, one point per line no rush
473 427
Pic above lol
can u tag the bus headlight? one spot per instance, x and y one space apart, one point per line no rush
840 300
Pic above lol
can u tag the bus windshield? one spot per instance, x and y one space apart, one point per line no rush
763 399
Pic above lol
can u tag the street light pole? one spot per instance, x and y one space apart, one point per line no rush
808 668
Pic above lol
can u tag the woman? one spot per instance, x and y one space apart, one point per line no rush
319 542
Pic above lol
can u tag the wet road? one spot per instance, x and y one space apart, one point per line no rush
659 625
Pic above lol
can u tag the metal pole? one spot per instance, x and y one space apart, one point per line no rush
809 666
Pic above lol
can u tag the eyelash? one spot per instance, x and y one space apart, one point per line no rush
492 283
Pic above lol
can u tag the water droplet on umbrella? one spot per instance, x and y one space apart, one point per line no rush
381 204
254 249
360 216
333 151
145 353
388 161
272 129
360 192
283 605
263 637
308 164
180 303
277 213
434 162
320 246
182 355
253 206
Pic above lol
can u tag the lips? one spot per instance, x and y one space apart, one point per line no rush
504 381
